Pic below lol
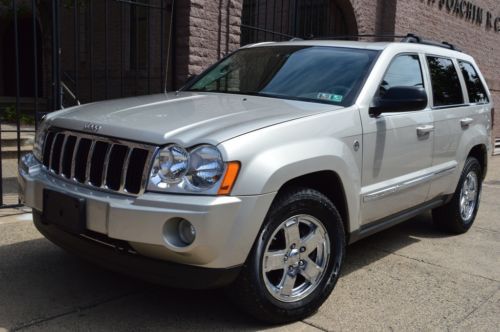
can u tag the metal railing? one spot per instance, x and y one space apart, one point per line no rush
87 50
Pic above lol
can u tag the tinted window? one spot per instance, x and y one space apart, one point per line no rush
311 73
475 88
404 71
446 86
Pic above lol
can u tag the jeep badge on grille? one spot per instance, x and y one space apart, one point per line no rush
92 127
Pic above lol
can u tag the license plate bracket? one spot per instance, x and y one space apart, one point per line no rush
65 211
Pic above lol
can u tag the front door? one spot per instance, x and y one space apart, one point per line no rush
397 149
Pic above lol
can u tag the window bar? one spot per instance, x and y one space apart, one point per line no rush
295 20
170 61
35 64
122 82
77 46
106 14
311 13
18 112
148 40
91 52
274 15
265 19
257 21
136 48
162 32
281 17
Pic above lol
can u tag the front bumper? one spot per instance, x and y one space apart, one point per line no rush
226 226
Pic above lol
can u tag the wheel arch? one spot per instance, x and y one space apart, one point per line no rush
480 152
329 184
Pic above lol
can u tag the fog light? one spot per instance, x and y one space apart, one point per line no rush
186 230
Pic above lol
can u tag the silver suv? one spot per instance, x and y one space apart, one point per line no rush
259 171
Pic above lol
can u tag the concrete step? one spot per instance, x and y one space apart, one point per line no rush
12 141
10 152
9 186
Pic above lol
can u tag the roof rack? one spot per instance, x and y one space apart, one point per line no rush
409 38
412 38
347 37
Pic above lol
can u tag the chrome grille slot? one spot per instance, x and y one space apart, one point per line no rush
67 156
138 159
55 154
114 171
97 163
100 162
47 148
81 157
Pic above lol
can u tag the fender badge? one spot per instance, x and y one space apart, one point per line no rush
92 127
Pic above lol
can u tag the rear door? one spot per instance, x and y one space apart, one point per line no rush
397 148
459 104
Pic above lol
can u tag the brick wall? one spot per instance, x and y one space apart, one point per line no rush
209 30
214 30
427 19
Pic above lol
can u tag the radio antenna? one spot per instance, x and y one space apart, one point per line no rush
170 41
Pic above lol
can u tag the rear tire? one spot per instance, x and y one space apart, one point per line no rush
458 215
295 261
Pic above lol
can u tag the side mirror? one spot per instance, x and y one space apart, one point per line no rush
399 99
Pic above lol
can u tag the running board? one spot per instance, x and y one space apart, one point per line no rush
392 220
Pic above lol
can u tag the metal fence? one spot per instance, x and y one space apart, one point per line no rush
56 54
278 20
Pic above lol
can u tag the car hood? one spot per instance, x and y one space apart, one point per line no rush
185 118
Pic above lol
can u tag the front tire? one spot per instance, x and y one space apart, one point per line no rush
295 261
458 215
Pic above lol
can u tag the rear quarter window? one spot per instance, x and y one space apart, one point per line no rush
475 88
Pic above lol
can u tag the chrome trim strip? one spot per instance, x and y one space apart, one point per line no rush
61 158
123 178
73 157
147 169
407 184
87 166
105 166
52 151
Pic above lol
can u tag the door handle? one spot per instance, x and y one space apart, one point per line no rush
424 130
466 122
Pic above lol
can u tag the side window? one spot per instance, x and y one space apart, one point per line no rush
404 70
475 88
446 86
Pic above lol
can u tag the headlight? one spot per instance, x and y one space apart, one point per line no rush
180 171
41 133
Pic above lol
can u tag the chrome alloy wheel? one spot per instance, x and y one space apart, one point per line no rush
468 196
296 258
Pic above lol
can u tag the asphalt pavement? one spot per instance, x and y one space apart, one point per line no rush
410 277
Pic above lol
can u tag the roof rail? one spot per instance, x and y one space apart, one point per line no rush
412 38
347 37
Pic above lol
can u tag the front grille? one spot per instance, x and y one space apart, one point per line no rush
100 162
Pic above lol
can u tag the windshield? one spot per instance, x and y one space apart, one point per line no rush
311 73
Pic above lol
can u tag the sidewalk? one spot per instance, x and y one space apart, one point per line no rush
410 277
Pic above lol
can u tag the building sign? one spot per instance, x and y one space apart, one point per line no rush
469 11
